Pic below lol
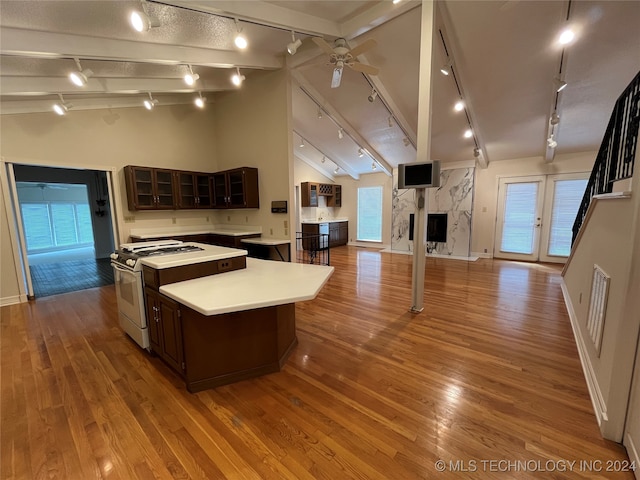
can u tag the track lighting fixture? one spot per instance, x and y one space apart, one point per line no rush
141 21
190 78
373 96
459 106
200 100
340 133
446 68
237 78
301 142
150 102
360 153
373 165
240 40
406 141
324 159
559 84
61 107
292 48
468 133
80 77
336 170
551 142
555 118
566 37
390 122
319 113
476 152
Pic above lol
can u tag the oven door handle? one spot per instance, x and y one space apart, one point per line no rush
123 270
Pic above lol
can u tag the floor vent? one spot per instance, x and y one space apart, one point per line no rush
598 306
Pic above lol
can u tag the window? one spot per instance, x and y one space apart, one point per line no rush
567 196
519 218
369 214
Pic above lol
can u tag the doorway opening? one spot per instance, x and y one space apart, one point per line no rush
66 223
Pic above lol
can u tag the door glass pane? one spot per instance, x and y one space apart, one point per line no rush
37 227
567 196
370 214
519 218
85 228
64 224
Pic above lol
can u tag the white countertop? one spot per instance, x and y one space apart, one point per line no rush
209 253
333 220
230 230
265 241
264 283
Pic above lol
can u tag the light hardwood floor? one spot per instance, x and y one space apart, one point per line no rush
487 374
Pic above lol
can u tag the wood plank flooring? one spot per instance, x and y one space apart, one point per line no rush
487 378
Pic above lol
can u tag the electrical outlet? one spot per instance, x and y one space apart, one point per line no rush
286 231
484 209
129 219
485 250
207 220
271 231
286 224
246 219
173 220
228 218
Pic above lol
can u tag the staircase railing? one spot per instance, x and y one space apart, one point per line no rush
617 152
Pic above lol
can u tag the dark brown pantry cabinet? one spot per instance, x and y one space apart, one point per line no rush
237 188
150 188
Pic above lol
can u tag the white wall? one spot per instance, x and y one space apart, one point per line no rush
253 129
9 287
485 199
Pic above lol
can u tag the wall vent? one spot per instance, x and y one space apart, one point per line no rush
598 306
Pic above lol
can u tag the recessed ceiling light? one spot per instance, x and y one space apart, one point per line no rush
459 106
468 133
566 37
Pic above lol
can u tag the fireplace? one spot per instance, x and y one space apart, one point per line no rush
437 227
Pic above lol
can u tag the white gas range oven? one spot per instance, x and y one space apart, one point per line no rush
127 269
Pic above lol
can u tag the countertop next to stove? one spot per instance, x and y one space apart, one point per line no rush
208 253
264 283
230 230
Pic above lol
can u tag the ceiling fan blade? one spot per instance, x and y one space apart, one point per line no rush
364 68
363 47
319 41
337 77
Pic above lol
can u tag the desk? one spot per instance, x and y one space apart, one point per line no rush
270 243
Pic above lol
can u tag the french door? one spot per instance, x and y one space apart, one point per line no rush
535 216
520 202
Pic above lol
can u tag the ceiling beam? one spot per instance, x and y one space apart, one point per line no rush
263 13
374 17
14 86
33 43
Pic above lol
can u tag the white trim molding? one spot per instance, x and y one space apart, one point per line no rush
13 300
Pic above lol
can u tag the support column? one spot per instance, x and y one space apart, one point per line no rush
423 151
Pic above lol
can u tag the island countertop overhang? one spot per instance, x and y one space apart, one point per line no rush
264 283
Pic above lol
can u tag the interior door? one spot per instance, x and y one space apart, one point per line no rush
562 199
519 218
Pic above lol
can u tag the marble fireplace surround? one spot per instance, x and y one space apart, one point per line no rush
454 197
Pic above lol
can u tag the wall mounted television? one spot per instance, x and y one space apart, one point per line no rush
419 174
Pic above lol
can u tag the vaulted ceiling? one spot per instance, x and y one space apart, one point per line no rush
504 57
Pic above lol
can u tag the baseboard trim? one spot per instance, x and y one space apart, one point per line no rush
597 400
4 301
632 452
481 255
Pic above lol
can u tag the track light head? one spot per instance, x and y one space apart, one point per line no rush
476 152
340 133
559 84
360 153
292 48
468 133
61 108
240 40
406 141
200 101
555 119
237 78
191 78
566 37
319 113
459 106
390 122
373 96
301 142
80 76
324 159
150 102
551 142
446 68
142 22
336 170
373 165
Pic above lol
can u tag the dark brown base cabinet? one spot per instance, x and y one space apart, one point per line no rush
165 329
338 233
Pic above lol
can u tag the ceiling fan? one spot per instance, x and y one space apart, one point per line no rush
340 55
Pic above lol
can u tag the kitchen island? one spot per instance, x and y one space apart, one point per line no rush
237 325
